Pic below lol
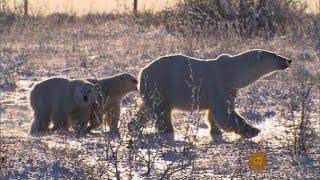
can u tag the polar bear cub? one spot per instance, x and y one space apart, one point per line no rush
186 83
57 99
112 90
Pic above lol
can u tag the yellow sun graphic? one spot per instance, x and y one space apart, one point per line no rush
258 161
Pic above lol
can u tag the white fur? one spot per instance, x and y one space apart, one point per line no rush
56 99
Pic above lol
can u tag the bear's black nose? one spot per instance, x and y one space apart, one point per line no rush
85 98
135 81
289 61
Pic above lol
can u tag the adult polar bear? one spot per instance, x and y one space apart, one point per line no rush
185 83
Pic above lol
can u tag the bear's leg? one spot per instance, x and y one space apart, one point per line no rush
214 130
227 119
162 114
142 116
84 119
81 117
40 122
221 109
243 128
59 119
94 122
112 117
95 118
70 121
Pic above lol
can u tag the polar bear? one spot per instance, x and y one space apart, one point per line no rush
188 84
113 89
57 100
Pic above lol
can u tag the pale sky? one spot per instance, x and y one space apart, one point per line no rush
85 6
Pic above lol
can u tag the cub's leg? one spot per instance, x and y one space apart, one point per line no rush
95 120
96 116
81 119
40 122
59 118
112 117
214 130
70 122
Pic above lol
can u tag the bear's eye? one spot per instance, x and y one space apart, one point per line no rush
89 91
121 78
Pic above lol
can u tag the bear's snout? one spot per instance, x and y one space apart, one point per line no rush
288 61
136 84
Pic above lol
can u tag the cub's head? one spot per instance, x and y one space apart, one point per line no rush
273 61
128 82
84 94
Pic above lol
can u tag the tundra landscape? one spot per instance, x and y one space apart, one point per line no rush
284 106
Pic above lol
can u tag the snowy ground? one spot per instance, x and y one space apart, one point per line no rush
272 104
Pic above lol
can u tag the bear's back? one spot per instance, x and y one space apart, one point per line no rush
50 84
173 63
49 89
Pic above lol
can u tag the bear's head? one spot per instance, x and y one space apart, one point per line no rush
84 94
273 61
128 82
